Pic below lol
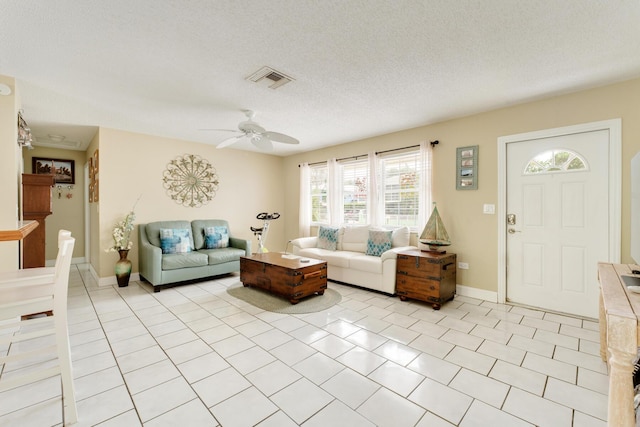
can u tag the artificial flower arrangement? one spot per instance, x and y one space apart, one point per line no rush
121 234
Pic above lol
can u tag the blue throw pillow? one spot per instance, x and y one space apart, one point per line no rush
328 238
378 242
175 240
216 237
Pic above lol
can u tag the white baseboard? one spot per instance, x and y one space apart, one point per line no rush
52 262
482 294
111 280
93 273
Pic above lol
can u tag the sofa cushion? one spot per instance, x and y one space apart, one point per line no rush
354 238
177 261
340 258
222 255
175 240
328 238
335 258
400 237
216 237
368 263
378 242
153 230
198 227
316 253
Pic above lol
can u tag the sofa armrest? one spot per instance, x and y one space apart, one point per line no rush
149 258
304 243
393 252
238 243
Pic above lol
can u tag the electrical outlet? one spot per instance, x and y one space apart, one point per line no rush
463 265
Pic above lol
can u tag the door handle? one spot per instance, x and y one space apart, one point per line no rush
512 231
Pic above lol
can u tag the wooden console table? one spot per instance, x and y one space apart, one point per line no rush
619 332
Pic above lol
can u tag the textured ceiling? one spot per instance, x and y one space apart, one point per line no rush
361 67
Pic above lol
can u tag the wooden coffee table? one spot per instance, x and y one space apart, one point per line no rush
290 278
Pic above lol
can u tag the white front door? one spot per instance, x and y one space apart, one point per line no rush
557 220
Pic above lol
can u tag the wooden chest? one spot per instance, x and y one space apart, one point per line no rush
290 278
426 276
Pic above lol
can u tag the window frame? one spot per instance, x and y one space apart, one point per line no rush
314 169
401 160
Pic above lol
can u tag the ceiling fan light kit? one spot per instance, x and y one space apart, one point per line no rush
256 134
4 89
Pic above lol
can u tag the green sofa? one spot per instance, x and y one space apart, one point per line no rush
162 269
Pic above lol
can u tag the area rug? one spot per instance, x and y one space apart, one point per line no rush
269 302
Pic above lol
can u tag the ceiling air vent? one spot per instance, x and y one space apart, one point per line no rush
271 77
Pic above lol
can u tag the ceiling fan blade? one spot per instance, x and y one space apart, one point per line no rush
280 137
262 143
221 130
227 142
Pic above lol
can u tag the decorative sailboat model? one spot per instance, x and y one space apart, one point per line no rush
434 235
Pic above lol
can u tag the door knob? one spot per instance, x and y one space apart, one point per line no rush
512 231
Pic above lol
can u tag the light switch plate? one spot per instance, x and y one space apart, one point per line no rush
489 209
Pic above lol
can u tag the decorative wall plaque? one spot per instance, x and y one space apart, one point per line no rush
467 168
94 172
190 181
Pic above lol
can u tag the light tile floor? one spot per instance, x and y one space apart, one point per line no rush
195 356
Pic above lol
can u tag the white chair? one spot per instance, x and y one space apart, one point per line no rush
34 290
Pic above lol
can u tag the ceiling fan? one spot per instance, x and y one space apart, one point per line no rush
258 136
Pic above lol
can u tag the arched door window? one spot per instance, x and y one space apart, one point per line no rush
556 161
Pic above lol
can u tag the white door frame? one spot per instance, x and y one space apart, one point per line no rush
87 217
614 126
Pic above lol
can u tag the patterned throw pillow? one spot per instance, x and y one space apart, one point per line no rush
378 242
216 237
175 240
328 238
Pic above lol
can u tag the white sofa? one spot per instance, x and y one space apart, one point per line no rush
349 262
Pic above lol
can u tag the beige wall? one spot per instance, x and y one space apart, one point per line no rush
474 234
10 170
131 166
67 213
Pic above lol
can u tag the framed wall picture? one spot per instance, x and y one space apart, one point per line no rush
63 170
467 168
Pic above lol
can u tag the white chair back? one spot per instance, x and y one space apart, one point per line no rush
30 291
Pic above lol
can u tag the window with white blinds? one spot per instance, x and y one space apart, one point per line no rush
318 189
355 191
389 195
400 179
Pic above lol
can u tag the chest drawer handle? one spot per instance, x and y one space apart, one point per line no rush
433 288
314 274
444 267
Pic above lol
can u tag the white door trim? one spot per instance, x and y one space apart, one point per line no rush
87 217
614 126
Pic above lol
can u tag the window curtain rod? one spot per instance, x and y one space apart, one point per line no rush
433 144
396 149
339 160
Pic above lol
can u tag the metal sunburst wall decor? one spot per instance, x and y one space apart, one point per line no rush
190 181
